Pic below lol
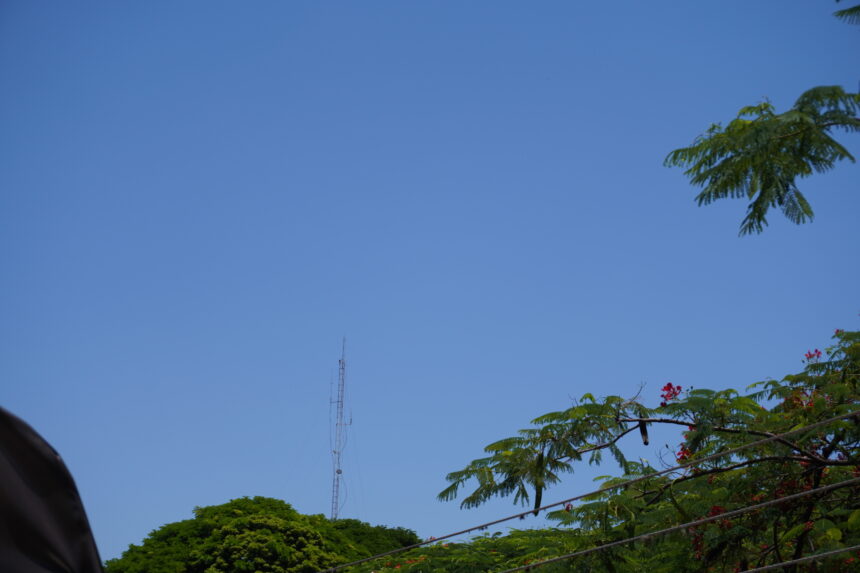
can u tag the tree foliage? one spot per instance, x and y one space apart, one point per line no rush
487 552
256 535
711 421
850 15
761 154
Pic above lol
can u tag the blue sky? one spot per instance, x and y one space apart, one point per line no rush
199 199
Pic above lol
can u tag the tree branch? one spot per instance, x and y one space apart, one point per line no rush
723 429
825 125
712 471
602 446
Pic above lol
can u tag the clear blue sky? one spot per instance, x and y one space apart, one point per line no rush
199 199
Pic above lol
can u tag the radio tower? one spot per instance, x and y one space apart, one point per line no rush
339 434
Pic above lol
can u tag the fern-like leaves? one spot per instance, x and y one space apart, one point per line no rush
527 464
849 15
761 154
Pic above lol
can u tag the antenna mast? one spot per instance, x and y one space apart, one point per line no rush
339 434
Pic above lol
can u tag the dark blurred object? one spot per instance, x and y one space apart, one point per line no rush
43 526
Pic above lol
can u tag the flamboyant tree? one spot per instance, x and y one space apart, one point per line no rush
710 422
761 154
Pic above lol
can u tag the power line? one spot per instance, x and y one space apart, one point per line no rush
484 526
813 557
689 524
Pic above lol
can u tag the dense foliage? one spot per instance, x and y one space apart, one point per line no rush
761 154
489 552
256 535
709 421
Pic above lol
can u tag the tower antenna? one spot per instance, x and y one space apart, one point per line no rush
339 434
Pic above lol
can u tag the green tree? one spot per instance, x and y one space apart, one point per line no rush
488 552
256 535
761 154
713 421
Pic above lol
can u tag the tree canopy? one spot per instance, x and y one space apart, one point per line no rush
712 421
257 534
761 154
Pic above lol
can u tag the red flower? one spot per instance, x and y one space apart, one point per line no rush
812 355
670 392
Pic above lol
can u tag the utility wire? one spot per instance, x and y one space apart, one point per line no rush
484 526
688 525
813 557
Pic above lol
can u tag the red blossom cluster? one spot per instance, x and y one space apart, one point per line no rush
407 562
788 487
719 510
697 540
669 393
838 331
805 400
812 355
684 453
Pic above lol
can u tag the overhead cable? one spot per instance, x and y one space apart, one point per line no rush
688 525
813 557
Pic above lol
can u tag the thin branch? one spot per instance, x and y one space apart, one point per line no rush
605 445
577 455
702 473
825 125
723 429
